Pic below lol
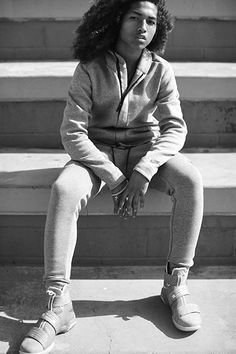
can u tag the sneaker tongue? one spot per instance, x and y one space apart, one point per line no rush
57 297
180 271
181 274
53 293
54 290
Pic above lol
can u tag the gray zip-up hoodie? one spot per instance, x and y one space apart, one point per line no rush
104 110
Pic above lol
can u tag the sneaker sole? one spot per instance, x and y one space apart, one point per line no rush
186 329
46 351
68 329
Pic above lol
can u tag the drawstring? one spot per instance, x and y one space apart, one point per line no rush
113 155
127 157
127 160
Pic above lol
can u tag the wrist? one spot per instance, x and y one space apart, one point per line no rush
138 173
120 188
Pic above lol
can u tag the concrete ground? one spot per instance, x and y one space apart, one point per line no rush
119 311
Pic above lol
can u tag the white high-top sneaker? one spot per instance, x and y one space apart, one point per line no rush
59 318
185 315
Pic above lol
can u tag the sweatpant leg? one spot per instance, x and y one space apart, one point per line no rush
70 193
182 181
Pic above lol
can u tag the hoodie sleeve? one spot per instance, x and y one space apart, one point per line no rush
173 128
74 130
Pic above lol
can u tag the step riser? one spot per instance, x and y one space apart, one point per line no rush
27 176
196 40
49 80
202 40
20 200
210 124
110 240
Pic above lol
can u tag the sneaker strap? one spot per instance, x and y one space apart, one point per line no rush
41 336
176 293
53 319
187 309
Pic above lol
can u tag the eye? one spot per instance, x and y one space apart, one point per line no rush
133 17
151 23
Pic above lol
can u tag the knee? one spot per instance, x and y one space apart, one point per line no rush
195 178
66 192
191 180
61 188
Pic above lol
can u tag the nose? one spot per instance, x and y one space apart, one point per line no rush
142 26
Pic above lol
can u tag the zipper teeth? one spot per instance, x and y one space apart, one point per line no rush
121 93
126 93
119 76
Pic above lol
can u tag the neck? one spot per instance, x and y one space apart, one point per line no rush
131 57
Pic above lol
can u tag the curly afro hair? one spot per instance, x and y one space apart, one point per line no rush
100 27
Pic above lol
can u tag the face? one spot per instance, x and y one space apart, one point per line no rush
138 26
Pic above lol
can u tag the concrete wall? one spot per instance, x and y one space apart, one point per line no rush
110 240
32 29
60 9
195 40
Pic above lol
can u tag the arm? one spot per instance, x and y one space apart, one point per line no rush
172 127
74 131
173 133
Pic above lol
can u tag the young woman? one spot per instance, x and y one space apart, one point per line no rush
122 127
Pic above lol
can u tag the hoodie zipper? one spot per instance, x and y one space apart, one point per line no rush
123 95
129 88
121 92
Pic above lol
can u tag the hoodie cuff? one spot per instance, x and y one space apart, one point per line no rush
113 183
147 170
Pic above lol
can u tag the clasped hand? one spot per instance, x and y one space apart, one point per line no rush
132 198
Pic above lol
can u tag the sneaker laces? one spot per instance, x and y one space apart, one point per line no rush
52 292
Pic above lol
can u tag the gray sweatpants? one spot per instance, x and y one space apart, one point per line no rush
77 184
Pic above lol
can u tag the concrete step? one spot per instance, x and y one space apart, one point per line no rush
25 181
47 80
27 175
35 92
204 30
119 311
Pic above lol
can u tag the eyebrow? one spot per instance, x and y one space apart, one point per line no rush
139 14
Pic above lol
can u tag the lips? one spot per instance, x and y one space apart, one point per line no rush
139 36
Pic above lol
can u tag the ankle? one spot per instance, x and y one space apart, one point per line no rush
171 266
57 294
61 285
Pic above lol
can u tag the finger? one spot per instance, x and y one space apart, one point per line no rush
135 206
115 201
124 209
122 202
142 201
126 214
128 204
123 212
